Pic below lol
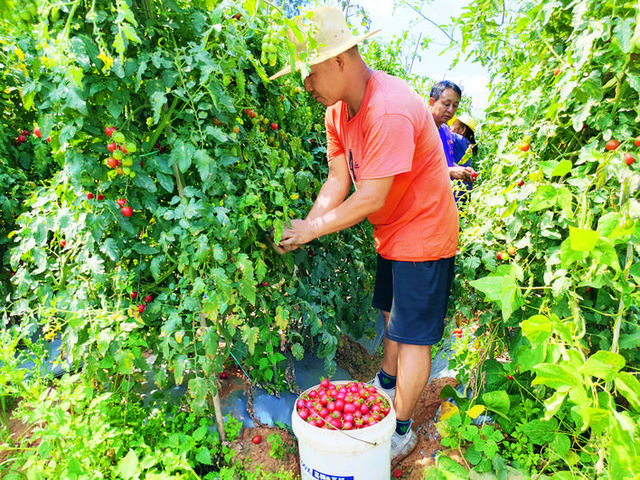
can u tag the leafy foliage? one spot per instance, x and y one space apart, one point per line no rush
550 242
222 157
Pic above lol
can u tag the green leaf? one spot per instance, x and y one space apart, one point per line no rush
144 181
158 100
560 445
556 376
497 401
74 468
608 223
144 249
124 359
297 350
179 366
564 201
605 254
568 255
553 404
204 164
583 240
490 286
110 248
630 339
562 168
200 432
510 299
512 207
250 337
604 365
629 386
452 469
131 34
473 455
129 465
182 155
537 329
204 456
540 431
543 199
596 418
156 266
165 181
461 400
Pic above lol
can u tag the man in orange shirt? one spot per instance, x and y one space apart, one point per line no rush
382 138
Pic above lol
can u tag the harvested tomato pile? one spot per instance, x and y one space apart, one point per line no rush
343 406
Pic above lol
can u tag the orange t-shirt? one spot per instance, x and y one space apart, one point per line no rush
393 134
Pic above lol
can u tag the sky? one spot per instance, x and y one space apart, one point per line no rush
435 62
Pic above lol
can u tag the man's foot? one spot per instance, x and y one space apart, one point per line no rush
402 445
391 392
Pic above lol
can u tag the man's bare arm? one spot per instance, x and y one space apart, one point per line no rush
334 190
368 198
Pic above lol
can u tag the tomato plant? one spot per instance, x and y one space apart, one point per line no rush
567 300
169 115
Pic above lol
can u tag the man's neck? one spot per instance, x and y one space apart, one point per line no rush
358 89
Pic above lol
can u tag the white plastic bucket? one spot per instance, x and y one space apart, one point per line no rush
361 454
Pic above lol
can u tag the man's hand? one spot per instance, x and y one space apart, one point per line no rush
298 233
466 174
278 248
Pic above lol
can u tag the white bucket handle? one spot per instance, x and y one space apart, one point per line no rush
375 444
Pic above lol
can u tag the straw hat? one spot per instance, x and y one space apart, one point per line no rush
469 121
332 35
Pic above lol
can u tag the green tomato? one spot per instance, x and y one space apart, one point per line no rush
131 147
127 161
118 137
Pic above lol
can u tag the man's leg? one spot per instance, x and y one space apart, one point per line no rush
413 371
411 365
390 358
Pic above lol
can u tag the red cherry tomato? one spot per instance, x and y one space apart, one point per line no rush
612 144
126 211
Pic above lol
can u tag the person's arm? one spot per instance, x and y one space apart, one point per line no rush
367 199
334 190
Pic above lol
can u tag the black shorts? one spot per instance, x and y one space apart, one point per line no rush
416 295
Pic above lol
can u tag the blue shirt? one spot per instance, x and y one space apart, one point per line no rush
454 143
460 145
447 142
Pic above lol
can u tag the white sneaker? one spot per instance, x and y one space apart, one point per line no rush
391 392
402 445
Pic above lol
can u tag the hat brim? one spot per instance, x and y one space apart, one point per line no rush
326 55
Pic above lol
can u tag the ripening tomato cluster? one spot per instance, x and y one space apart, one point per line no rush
260 118
459 332
125 209
141 306
613 144
24 135
120 159
346 406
